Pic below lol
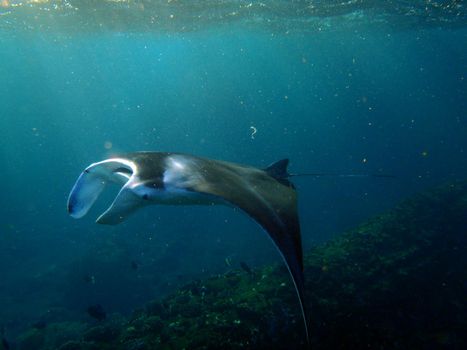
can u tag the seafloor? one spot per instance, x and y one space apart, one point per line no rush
398 281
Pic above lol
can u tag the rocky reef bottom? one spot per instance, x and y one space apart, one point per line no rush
398 281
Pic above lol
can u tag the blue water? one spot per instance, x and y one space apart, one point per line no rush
382 101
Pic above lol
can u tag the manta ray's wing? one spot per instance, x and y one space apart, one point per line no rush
269 202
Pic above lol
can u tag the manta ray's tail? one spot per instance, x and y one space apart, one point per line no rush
341 175
278 170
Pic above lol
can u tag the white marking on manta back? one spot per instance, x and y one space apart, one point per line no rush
180 173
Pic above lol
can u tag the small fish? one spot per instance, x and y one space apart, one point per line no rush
89 279
228 262
97 312
246 268
134 265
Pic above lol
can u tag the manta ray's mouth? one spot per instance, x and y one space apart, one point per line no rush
92 182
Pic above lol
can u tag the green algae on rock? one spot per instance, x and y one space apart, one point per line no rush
396 281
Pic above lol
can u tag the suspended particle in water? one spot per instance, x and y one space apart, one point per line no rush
107 145
253 132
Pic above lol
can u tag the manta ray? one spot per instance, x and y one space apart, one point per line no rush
266 195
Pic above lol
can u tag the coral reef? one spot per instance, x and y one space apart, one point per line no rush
397 281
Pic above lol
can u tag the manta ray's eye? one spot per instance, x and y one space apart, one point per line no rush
145 196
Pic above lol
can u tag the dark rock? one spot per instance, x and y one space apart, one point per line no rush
102 334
